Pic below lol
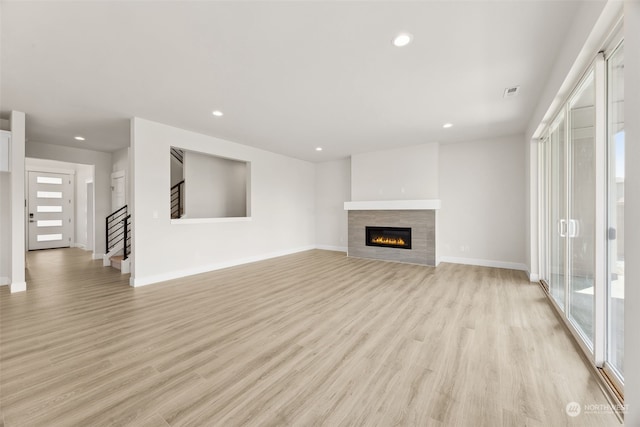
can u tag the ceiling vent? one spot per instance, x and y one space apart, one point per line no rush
511 91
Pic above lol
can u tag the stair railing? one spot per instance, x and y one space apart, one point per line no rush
177 200
115 228
178 154
127 236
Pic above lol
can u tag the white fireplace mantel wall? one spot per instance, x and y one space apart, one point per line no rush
479 184
392 205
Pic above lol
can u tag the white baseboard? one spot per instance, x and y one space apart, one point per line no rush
148 280
79 246
18 287
97 256
533 277
4 281
485 263
332 248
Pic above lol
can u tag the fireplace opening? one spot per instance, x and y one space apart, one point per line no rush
389 237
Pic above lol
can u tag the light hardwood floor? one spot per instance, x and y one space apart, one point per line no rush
314 338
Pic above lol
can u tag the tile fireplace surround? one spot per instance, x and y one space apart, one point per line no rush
419 215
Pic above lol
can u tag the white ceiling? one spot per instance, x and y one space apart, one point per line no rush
289 76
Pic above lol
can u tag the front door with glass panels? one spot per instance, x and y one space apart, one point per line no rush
50 210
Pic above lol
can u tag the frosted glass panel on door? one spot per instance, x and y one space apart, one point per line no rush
48 180
50 223
49 208
49 195
48 237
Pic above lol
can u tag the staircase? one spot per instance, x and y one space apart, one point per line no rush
177 191
177 200
118 238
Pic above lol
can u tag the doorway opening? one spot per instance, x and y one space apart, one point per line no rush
60 205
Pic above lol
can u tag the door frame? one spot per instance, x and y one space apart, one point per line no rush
116 175
46 169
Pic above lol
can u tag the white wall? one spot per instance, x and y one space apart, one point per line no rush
214 187
282 208
482 189
632 212
333 188
400 174
102 180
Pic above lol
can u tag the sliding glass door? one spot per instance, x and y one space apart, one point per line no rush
616 174
581 198
582 202
570 168
557 229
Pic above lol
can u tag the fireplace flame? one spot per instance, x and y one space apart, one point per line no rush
389 241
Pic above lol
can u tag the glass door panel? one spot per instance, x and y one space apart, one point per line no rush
615 290
582 209
557 225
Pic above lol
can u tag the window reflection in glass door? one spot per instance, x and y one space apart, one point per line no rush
615 291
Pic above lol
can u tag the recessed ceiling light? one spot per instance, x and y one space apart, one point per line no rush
447 125
217 113
79 138
318 148
402 39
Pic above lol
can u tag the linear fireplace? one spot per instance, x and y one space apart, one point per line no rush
389 237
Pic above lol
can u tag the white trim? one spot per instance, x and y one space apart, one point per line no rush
148 280
4 281
601 221
125 266
392 205
533 277
97 256
485 263
332 248
46 169
210 220
79 246
118 174
18 287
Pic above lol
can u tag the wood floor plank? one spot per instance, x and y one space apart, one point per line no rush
311 339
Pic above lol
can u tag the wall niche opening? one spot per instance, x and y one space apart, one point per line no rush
208 186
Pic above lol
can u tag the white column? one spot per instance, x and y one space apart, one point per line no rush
18 283
632 212
533 208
